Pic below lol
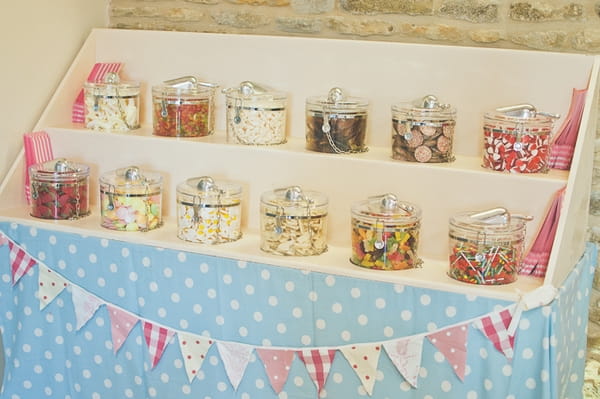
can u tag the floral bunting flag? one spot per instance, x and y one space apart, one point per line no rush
406 356
85 305
318 363
452 343
495 328
157 338
193 349
277 363
20 261
121 324
50 284
235 359
363 359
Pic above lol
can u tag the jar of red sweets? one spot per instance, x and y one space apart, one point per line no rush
59 189
517 139
486 247
183 107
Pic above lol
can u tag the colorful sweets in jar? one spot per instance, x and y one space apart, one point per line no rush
112 105
131 200
59 189
486 247
336 123
209 212
256 115
183 107
293 222
423 131
517 139
385 233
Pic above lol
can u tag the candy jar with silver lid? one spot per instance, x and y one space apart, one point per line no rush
423 131
293 222
183 107
256 115
209 211
336 123
59 189
112 105
131 200
517 139
486 247
385 233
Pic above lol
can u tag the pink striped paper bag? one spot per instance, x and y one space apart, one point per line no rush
38 148
561 153
97 74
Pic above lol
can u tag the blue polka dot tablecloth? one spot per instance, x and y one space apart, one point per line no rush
91 318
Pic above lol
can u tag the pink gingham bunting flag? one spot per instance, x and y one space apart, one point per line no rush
277 363
363 359
406 354
97 74
318 363
452 343
85 305
157 338
495 328
50 284
193 349
235 359
20 261
121 324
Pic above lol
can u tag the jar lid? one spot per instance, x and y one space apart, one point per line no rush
111 85
491 221
205 190
522 114
294 201
428 107
59 169
386 208
337 101
131 178
186 85
250 91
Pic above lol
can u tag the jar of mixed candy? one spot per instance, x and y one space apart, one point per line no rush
256 115
486 247
423 131
131 200
293 222
385 233
336 123
59 189
183 107
517 139
209 212
112 104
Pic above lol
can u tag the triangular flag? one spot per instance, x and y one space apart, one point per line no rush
85 305
3 239
235 359
157 339
406 353
452 342
193 349
20 261
278 363
318 363
50 284
121 324
363 359
495 328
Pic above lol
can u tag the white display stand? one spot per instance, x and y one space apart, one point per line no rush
472 80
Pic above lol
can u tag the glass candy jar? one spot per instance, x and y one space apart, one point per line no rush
336 123
517 139
486 247
131 200
59 189
255 115
423 131
112 104
209 212
293 222
385 233
183 107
